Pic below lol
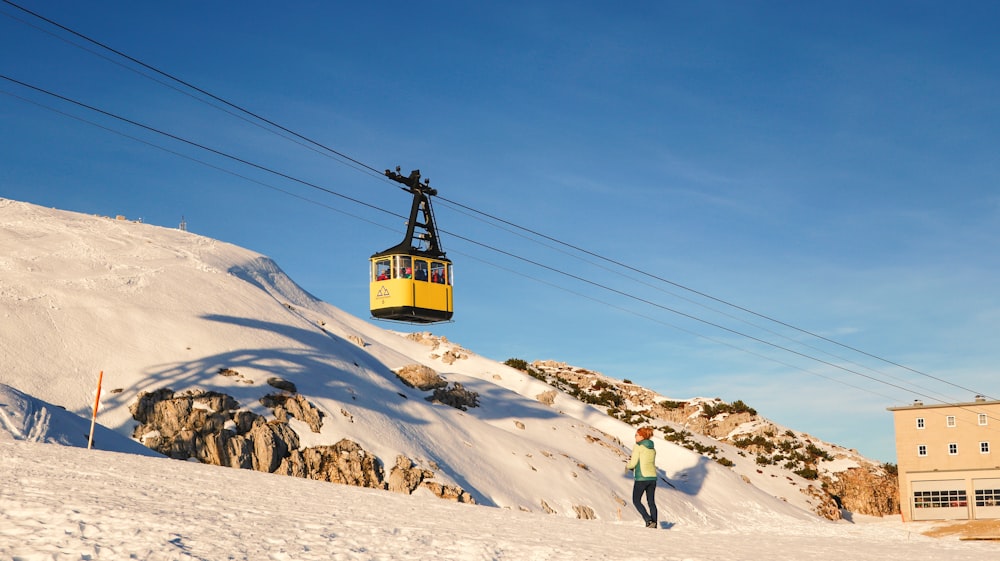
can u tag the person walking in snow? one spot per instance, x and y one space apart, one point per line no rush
643 466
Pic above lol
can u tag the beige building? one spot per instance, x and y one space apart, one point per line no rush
949 460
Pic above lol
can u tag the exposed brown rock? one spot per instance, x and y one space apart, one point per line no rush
345 462
449 492
866 491
272 443
825 505
420 377
282 384
405 476
295 406
455 396
209 427
450 356
547 397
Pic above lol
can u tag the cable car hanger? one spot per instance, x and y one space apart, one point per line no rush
428 241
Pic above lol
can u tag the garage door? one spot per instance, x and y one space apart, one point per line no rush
986 498
940 500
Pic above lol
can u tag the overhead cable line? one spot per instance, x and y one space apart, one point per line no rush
249 120
291 178
675 326
198 161
195 88
195 144
459 209
486 262
705 295
464 238
488 215
491 216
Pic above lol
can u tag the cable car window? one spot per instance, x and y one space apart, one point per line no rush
420 269
383 269
405 267
437 272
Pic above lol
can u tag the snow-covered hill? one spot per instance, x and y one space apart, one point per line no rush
160 308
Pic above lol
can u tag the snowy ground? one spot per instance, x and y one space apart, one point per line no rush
61 503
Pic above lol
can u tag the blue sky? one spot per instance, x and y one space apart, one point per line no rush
833 167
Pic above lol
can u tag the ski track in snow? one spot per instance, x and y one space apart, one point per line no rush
23 419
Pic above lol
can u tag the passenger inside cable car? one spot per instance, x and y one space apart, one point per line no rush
419 292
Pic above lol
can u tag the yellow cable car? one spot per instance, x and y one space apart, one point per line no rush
412 281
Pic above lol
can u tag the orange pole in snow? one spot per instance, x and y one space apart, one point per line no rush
93 419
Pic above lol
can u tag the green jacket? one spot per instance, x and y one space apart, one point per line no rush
643 461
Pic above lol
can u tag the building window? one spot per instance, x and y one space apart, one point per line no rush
950 420
920 422
953 449
987 497
939 499
984 447
921 449
982 419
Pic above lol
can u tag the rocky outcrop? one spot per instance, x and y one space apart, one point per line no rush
434 342
823 504
346 462
425 378
865 490
868 488
282 384
448 492
272 443
455 396
547 397
405 477
421 377
690 416
451 355
426 338
211 428
194 424
285 406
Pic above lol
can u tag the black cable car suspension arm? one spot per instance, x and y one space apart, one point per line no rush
421 205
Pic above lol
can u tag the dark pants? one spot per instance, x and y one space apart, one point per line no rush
649 488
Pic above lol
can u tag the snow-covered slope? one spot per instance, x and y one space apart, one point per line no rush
63 503
160 308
